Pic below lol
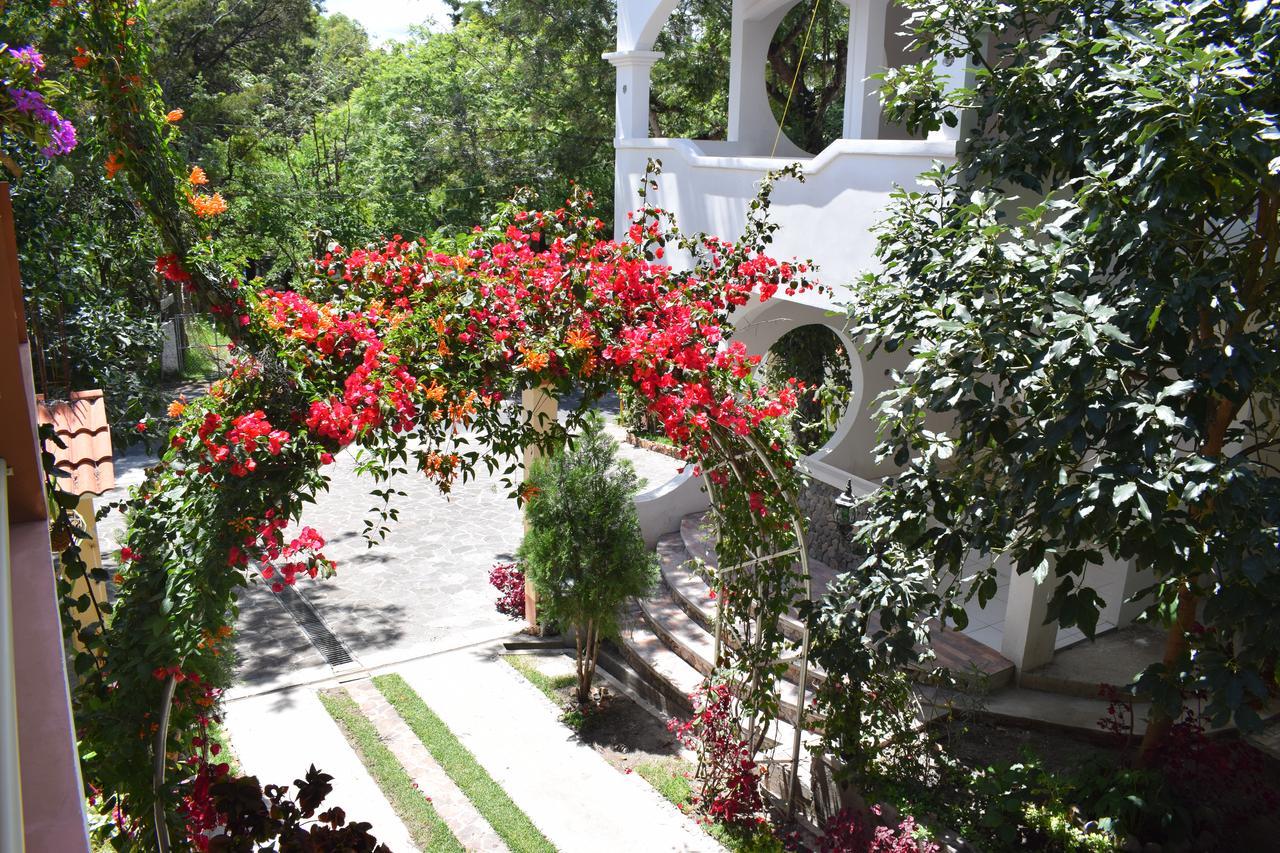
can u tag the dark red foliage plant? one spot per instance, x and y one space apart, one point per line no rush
254 815
730 793
853 831
508 579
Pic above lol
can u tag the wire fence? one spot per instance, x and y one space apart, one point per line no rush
194 348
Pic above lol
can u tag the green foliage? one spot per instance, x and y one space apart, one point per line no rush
1090 298
814 355
583 551
635 416
813 36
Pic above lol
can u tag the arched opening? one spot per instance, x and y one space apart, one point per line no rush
806 70
815 355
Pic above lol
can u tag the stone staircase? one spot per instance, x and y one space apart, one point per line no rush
667 638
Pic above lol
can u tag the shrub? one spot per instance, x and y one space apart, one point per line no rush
583 551
852 831
508 579
253 814
730 777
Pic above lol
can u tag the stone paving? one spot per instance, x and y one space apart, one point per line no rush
423 588
462 818
277 736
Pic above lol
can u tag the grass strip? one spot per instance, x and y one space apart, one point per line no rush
426 827
669 780
550 685
506 818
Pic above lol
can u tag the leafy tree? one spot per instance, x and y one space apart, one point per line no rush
583 551
814 355
85 251
1089 303
813 37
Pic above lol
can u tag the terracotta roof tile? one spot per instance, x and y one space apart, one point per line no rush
81 423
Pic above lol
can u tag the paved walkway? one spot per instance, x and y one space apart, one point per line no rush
574 796
277 736
466 823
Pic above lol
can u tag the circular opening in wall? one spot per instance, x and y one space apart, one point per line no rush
816 356
815 117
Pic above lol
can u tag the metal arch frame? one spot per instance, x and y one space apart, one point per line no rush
796 523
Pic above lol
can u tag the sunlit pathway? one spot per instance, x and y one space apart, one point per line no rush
423 588
574 796
277 736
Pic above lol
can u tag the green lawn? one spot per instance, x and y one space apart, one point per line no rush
425 825
486 795
550 685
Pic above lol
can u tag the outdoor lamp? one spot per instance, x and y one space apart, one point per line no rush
845 502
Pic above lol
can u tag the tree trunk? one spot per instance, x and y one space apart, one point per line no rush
1159 722
587 643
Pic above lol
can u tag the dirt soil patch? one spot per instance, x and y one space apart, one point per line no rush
620 729
983 744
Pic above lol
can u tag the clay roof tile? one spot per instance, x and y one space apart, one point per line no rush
81 423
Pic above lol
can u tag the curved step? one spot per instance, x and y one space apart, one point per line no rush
658 665
687 589
695 646
687 584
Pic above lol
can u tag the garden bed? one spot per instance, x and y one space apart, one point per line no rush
656 444
625 733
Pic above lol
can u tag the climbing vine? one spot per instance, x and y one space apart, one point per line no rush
410 352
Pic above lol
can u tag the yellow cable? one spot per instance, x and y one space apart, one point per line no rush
804 51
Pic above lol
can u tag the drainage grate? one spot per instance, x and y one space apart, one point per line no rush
333 650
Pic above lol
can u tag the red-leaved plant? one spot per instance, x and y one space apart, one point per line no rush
852 831
508 579
730 793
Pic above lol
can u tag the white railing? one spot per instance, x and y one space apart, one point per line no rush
830 218
11 832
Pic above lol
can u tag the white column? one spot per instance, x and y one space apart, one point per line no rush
866 57
631 111
1028 641
955 74
1135 580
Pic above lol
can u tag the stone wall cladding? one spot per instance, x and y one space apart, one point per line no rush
823 539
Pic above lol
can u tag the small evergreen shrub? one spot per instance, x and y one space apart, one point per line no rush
583 551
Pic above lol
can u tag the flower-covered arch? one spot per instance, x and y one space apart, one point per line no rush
408 351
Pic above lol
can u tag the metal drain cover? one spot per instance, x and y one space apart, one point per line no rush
332 649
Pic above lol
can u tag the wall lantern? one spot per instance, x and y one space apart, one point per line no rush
845 503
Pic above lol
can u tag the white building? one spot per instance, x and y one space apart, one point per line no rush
829 218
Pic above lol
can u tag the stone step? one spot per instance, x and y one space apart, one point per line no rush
699 543
689 590
1112 660
695 646
662 669
693 596
971 661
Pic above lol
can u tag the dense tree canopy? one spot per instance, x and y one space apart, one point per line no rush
1090 301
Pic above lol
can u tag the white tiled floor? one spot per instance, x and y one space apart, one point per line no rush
986 624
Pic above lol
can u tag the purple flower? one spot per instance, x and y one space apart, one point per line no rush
29 57
62 135
27 101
